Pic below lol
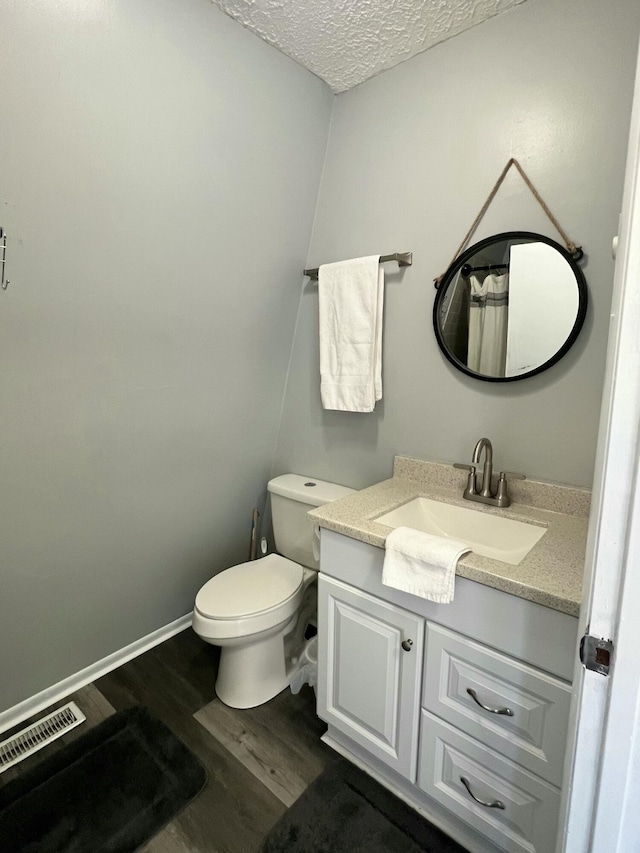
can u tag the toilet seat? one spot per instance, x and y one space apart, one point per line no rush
249 598
250 588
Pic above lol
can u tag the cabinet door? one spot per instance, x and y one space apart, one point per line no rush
368 683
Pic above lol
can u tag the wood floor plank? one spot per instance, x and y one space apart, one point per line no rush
170 840
241 801
193 665
235 810
93 705
278 742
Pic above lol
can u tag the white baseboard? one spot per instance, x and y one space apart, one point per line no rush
13 716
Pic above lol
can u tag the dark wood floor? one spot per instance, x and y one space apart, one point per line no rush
258 761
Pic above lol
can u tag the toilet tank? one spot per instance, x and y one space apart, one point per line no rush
292 496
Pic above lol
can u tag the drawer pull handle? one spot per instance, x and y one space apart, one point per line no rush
494 804
407 644
507 711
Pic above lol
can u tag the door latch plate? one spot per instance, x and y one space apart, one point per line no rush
596 654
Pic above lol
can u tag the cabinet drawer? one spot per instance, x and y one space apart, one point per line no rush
533 734
517 811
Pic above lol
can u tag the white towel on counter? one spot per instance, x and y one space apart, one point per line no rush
351 300
422 564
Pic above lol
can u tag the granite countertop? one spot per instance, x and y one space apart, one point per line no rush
550 574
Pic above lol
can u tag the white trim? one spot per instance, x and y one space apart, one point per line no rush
617 820
13 716
603 786
616 823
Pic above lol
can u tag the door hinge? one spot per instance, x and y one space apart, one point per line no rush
596 654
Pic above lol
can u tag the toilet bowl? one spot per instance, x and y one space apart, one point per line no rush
257 612
247 610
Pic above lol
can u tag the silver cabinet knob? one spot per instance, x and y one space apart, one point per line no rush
407 644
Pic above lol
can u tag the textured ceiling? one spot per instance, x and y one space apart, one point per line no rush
347 41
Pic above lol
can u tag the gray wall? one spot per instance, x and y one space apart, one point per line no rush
412 156
159 173
160 169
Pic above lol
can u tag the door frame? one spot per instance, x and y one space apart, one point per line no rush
602 771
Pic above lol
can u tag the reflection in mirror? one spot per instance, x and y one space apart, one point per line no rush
510 306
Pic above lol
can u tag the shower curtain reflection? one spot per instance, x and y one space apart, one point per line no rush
488 316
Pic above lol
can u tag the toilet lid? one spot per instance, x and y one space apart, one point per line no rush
250 588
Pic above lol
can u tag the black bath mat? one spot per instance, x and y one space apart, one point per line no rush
109 791
345 811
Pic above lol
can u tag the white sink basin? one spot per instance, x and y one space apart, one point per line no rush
489 535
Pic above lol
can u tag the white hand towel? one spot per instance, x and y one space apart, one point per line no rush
351 299
421 564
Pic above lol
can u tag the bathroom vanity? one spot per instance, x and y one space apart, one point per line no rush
461 709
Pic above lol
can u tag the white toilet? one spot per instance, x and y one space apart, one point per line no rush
257 612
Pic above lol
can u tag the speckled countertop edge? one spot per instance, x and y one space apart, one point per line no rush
551 574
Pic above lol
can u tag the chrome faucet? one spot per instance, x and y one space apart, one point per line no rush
483 491
487 471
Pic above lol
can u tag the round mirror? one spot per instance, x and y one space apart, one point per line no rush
510 306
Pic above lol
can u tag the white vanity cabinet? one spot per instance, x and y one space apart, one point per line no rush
467 721
370 667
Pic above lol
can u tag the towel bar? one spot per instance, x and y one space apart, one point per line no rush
404 259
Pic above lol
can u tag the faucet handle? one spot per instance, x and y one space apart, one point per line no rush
471 488
502 492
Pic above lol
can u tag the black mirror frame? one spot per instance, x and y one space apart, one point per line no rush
465 256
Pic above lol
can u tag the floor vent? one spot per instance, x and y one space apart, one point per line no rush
39 734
